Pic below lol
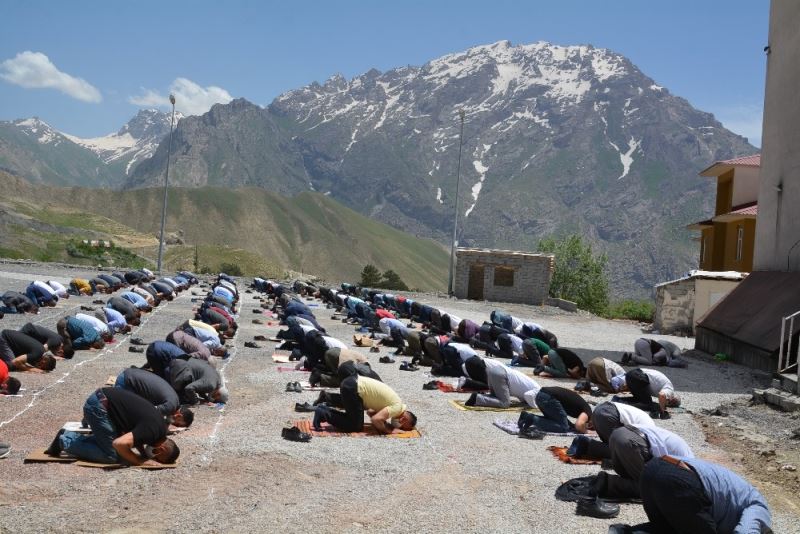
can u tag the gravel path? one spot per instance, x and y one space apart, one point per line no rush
237 474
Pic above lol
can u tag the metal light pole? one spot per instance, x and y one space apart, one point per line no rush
450 291
166 187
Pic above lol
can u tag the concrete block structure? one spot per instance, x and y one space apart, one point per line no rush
503 275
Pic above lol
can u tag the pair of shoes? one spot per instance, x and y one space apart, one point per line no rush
87 308
5 450
596 507
374 349
137 341
595 392
252 345
433 384
294 387
405 366
295 434
583 385
531 433
304 407
135 349
579 446
626 358
386 359
55 448
259 337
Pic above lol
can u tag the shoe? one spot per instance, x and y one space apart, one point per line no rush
98 301
410 325
257 311
471 400
55 448
596 507
595 392
374 349
619 528
257 321
525 420
135 349
583 385
252 345
432 385
405 366
386 359
531 433
137 341
290 387
84 307
5 450
295 434
579 446
664 415
298 388
260 338
305 407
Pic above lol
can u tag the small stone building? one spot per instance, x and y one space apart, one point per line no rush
503 275
680 304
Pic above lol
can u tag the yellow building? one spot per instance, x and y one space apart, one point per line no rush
727 240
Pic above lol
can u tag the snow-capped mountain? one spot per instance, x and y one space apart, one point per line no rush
134 142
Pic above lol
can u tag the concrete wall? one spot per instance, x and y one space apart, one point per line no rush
745 185
779 194
532 276
707 293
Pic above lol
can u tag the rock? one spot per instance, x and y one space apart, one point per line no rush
796 433
766 452
772 469
789 467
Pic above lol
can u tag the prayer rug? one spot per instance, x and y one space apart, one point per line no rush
450 388
510 427
513 408
96 465
369 431
560 453
39 456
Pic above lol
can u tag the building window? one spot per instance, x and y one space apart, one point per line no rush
504 276
739 241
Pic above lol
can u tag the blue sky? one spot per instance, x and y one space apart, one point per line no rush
86 67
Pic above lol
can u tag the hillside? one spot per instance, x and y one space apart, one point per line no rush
308 233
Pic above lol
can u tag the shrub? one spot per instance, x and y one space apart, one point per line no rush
230 269
579 275
635 310
370 276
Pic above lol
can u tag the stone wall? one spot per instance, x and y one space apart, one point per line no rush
532 275
675 307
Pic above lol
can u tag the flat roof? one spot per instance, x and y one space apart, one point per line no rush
498 252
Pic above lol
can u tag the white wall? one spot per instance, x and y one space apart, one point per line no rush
745 185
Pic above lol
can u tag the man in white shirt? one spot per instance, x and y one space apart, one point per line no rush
60 290
606 418
645 384
505 383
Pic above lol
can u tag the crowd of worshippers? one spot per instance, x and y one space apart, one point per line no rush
128 420
650 464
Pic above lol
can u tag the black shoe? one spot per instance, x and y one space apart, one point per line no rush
619 528
84 307
252 345
135 349
471 400
257 321
626 358
137 341
98 301
386 359
257 311
596 507
531 433
664 415
55 448
305 407
290 387
525 420
295 434
432 385
260 338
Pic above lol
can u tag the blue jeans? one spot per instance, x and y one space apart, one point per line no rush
120 382
96 447
553 418
519 361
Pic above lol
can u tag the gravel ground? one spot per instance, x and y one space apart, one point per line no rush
237 474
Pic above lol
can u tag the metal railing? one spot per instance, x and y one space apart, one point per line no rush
787 359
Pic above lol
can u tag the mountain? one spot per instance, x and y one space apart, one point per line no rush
133 143
33 149
262 232
557 140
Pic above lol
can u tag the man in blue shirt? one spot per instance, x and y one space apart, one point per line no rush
137 300
81 334
684 494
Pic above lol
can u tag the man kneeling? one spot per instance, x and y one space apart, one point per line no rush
121 421
359 393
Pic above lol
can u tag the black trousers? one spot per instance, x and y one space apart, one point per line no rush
639 385
629 453
674 500
352 419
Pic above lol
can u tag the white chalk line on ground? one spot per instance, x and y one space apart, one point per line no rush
79 364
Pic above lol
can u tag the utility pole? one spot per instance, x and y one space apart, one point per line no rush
450 290
166 187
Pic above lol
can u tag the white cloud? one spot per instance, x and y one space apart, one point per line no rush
745 120
34 70
190 98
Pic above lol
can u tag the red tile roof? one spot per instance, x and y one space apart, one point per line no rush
744 161
749 210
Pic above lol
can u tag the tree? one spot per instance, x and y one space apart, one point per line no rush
231 269
370 276
391 280
579 275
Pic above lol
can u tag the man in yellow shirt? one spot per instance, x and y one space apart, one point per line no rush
359 393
